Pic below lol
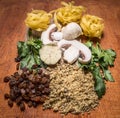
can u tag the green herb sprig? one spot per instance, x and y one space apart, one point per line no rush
28 52
99 66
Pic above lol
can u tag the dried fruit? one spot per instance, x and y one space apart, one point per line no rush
6 96
10 103
6 79
22 106
28 87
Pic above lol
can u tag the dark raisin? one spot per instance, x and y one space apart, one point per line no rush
12 82
34 66
6 96
34 104
40 79
47 90
23 85
17 59
17 66
19 100
38 93
36 98
37 80
24 69
30 71
26 97
33 91
22 106
16 74
40 87
46 85
42 74
27 90
6 79
12 95
43 98
29 104
16 89
23 91
40 71
23 75
10 103
20 80
44 80
31 85
47 76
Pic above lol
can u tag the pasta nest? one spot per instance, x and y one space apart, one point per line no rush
67 14
38 20
92 26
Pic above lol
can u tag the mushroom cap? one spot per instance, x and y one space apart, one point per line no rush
71 31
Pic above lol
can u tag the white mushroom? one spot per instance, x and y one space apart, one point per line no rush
84 52
64 42
71 54
71 31
45 36
57 36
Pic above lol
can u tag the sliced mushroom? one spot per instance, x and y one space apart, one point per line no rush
71 54
64 42
71 31
46 35
84 52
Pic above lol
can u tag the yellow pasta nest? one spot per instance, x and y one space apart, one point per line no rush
38 20
92 26
67 14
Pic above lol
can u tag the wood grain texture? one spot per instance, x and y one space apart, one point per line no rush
12 29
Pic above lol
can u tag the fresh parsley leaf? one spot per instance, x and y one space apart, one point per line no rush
99 86
109 57
23 49
24 62
108 76
99 82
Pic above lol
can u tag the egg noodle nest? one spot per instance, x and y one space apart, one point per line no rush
39 20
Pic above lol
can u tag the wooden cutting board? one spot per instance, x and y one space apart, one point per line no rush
13 29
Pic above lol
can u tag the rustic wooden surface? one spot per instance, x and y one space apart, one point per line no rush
12 29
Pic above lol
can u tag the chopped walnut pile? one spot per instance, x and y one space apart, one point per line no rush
72 90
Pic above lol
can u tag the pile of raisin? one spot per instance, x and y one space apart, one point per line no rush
29 86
